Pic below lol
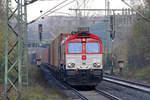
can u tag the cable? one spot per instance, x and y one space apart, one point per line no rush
145 18
47 12
82 3
87 2
59 8
63 13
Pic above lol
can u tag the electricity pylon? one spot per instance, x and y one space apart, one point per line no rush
15 48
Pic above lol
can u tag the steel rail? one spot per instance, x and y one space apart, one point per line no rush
75 91
64 85
106 94
127 83
132 82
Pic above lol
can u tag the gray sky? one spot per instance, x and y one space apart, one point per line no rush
34 9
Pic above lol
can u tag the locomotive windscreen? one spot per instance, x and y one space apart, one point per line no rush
75 47
92 47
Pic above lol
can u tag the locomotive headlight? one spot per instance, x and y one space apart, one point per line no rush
97 65
71 65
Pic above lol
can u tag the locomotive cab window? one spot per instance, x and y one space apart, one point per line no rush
92 47
75 47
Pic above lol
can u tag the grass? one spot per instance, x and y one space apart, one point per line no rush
1 91
2 39
142 74
36 92
39 92
116 70
38 89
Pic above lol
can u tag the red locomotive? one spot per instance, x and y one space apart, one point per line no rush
77 58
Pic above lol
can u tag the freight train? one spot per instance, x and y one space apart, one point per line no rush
76 58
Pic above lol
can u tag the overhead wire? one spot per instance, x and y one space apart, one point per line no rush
47 11
64 13
87 2
59 8
138 12
79 6
82 4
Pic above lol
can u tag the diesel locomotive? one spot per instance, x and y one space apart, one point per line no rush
76 58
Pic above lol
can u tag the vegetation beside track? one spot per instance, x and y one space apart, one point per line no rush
39 89
139 47
39 92
141 74
137 65
2 52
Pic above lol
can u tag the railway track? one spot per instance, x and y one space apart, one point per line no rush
78 93
98 94
62 84
127 83
82 96
108 95
101 94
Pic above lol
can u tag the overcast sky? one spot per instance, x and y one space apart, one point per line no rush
34 9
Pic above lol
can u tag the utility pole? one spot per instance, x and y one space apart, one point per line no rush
106 35
107 7
40 31
84 8
14 63
137 11
77 16
112 36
